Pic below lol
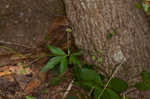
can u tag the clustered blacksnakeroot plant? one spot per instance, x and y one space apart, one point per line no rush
84 76
89 79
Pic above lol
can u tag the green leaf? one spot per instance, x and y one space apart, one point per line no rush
55 81
112 94
142 86
145 77
110 35
113 33
63 65
145 7
23 71
100 60
143 1
118 85
51 63
102 76
45 91
77 53
73 60
30 97
108 94
72 97
97 92
93 58
85 85
56 51
90 75
138 5
126 97
68 30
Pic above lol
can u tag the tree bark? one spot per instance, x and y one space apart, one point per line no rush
94 20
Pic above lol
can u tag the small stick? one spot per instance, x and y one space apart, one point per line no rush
9 43
110 79
68 89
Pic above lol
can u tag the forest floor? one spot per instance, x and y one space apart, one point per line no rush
25 28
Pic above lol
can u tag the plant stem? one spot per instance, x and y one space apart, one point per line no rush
117 68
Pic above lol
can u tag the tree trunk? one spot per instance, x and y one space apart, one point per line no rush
94 21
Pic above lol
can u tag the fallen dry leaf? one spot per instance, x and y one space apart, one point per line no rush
31 86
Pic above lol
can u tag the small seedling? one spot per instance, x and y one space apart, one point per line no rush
61 58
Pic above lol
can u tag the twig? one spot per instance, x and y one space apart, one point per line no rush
117 68
9 43
10 49
68 89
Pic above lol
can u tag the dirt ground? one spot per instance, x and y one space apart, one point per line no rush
24 26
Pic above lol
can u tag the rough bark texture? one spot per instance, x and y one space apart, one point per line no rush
94 20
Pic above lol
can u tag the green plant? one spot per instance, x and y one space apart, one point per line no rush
61 58
144 6
55 81
145 84
84 76
45 91
111 34
92 82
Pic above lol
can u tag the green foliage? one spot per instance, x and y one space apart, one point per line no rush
100 60
108 94
89 75
63 65
73 58
111 34
68 30
93 57
30 97
126 97
145 76
145 84
56 51
23 71
45 91
138 5
60 58
144 6
86 77
55 81
118 85
142 86
51 63
72 97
